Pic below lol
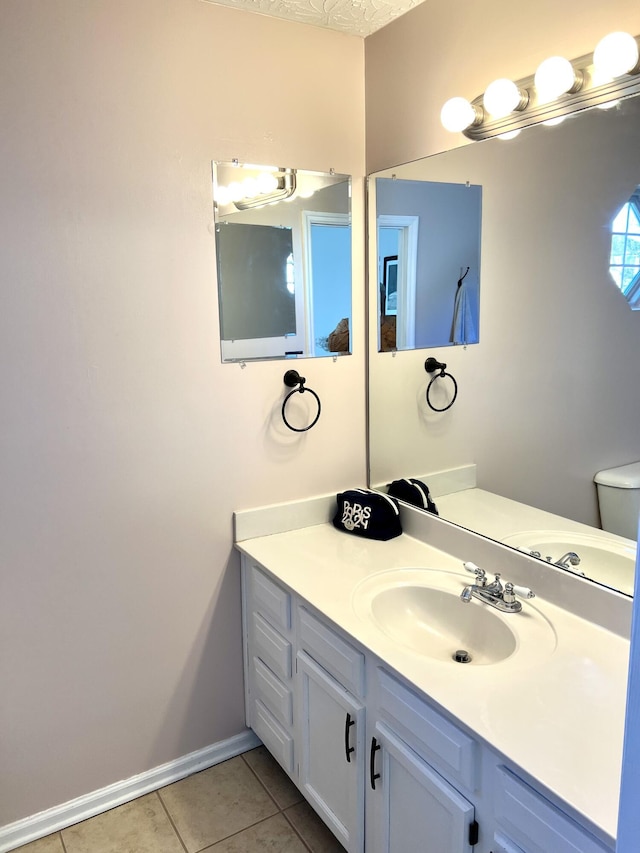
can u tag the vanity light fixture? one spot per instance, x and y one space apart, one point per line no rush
558 88
266 188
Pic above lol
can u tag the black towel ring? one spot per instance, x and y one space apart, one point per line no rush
292 379
431 365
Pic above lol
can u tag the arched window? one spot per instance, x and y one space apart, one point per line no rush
291 281
624 262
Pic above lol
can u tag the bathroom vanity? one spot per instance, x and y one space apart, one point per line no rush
397 746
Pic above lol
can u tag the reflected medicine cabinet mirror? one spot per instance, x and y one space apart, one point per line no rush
548 398
428 249
283 250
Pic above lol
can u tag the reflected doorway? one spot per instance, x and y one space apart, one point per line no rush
397 271
328 279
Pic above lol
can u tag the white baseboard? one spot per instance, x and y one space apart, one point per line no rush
59 817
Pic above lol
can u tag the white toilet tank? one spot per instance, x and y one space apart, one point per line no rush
619 499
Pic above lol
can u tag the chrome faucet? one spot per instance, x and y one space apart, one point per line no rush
496 595
568 559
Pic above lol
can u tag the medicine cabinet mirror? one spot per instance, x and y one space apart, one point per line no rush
428 250
548 397
283 249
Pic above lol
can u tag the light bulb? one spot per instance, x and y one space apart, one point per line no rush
501 98
608 105
236 192
222 195
267 182
250 188
552 122
615 54
554 77
510 134
457 115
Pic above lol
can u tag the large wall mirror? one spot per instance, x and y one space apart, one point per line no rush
283 248
549 396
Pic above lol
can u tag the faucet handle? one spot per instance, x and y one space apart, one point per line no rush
475 570
496 586
523 591
511 590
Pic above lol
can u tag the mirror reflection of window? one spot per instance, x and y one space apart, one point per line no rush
624 262
289 274
283 246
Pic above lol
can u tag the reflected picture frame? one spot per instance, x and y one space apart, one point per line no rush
390 285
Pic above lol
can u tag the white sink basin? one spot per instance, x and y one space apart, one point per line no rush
606 559
421 610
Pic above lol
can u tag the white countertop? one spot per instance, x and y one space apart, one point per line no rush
561 720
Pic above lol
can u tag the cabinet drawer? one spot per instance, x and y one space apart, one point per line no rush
334 654
501 844
427 732
273 736
273 693
535 823
271 647
270 599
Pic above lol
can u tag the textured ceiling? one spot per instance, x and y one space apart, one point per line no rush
357 17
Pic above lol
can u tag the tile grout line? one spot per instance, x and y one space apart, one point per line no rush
269 794
280 810
233 834
64 846
291 824
175 828
212 847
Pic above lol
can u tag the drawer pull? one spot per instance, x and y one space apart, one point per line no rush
375 746
348 749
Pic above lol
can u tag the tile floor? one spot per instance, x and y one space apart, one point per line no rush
244 805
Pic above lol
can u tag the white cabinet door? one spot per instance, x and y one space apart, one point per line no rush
331 753
412 807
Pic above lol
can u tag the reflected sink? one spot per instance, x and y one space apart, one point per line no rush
604 558
421 610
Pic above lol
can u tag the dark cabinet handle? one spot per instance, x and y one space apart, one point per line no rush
348 749
375 746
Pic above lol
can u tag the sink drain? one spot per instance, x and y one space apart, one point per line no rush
462 656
